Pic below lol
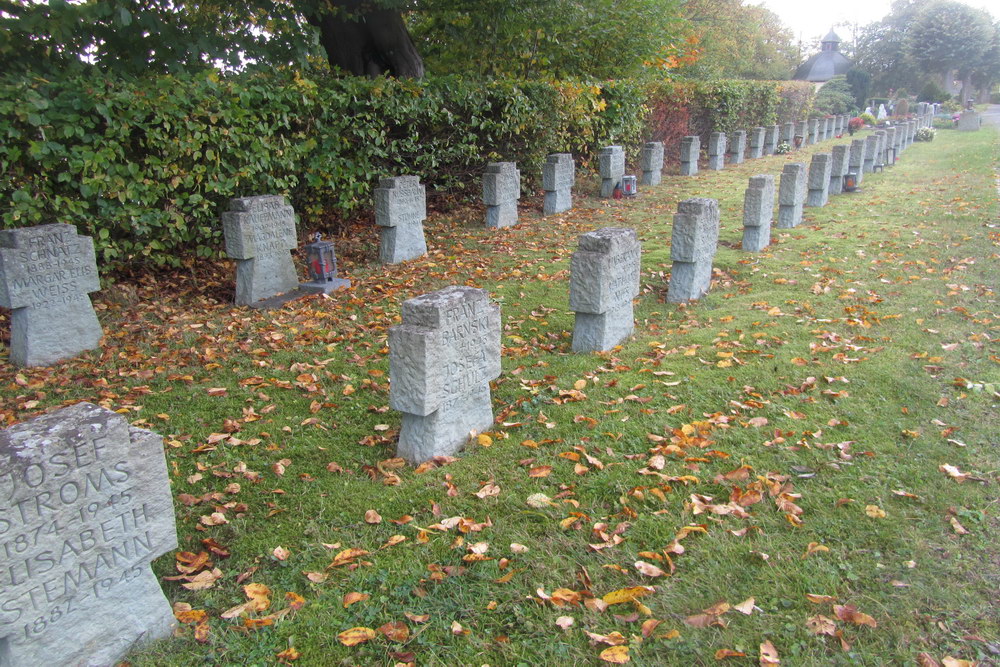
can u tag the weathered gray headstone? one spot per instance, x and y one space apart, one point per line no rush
891 145
400 210
802 130
818 180
735 146
611 162
771 133
758 212
690 150
501 190
827 128
693 242
651 162
788 134
871 151
756 142
856 160
604 279
441 360
46 275
791 195
558 178
85 506
838 168
880 145
260 233
813 131
969 121
717 151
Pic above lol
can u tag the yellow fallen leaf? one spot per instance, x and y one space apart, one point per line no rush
353 597
768 654
616 655
356 636
628 594
874 511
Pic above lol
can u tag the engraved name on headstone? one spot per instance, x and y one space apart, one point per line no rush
46 275
717 151
818 180
441 361
651 162
693 242
791 195
400 211
260 233
611 163
758 212
85 506
558 178
690 150
501 190
603 281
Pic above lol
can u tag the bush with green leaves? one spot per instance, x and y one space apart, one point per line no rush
925 134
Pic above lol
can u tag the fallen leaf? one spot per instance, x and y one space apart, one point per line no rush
356 636
768 654
616 655
628 594
724 653
353 597
565 622
372 517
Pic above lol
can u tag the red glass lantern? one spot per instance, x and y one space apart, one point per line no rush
850 182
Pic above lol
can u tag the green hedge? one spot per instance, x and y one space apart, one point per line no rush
146 167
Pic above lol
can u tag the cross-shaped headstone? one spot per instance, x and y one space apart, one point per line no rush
260 232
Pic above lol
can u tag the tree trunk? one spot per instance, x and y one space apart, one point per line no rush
367 41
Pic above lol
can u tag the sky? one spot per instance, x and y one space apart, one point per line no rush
810 21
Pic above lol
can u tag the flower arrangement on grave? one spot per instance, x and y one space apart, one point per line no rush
925 134
868 119
782 148
854 125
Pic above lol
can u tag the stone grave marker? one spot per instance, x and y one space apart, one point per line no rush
791 195
603 281
400 210
651 162
86 506
690 150
771 139
735 147
838 168
856 160
260 233
802 130
693 242
818 180
501 190
813 131
882 141
969 121
46 276
558 178
717 151
441 360
611 163
788 134
758 212
891 149
756 142
871 151
827 128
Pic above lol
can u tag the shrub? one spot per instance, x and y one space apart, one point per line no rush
867 118
925 134
931 92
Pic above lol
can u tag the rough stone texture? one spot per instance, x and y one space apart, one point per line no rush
771 133
717 151
400 210
969 121
690 150
891 149
735 147
788 133
86 506
441 360
758 212
604 279
558 179
501 190
812 137
838 168
693 241
880 144
756 143
871 151
46 275
856 160
802 130
818 180
827 128
791 195
611 163
260 232
651 163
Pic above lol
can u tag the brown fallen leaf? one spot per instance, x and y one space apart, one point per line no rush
724 653
373 517
768 654
354 597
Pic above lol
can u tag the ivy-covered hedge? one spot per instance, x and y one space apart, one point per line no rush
146 167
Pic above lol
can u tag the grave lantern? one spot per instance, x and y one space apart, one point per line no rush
797 140
629 186
321 259
850 182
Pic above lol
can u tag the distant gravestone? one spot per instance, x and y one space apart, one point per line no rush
813 131
260 233
871 151
838 168
882 139
651 162
441 361
788 134
827 128
969 121
86 506
558 178
758 212
717 151
690 150
756 142
856 160
46 276
791 195
501 190
400 210
771 139
736 145
603 281
611 162
818 180
891 145
693 242
802 130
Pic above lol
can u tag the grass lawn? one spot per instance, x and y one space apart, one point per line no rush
803 464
